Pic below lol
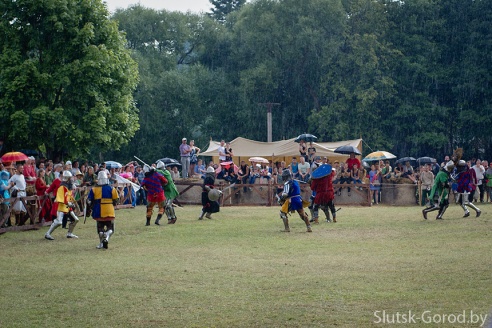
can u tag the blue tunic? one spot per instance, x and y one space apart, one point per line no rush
292 189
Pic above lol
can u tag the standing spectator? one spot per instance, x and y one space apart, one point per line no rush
49 176
222 152
90 177
40 191
473 181
374 175
479 172
488 182
5 196
427 181
243 174
193 157
446 160
304 170
303 150
185 151
228 151
141 194
18 183
75 168
311 153
351 161
30 171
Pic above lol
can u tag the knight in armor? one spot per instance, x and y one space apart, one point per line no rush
102 198
170 191
324 194
66 205
154 183
463 179
291 201
210 195
439 195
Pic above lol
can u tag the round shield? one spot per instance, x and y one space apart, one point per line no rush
321 171
214 194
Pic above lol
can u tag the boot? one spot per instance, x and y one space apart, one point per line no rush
71 226
23 218
148 221
17 219
158 219
52 228
334 218
208 215
316 221
286 225
201 216
431 208
106 236
101 237
309 229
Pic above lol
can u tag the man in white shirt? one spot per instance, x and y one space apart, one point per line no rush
304 169
479 171
222 152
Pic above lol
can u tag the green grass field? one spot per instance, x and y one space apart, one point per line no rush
240 270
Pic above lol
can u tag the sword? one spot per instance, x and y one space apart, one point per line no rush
85 210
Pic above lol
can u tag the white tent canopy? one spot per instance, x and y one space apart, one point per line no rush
243 148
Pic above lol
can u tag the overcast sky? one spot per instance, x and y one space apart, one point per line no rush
195 6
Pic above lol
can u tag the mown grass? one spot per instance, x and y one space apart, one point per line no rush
239 270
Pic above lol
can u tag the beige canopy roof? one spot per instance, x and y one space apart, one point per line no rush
245 148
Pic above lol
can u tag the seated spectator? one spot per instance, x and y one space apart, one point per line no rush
256 174
304 170
316 163
355 175
230 176
408 172
294 168
200 169
338 172
345 177
386 170
265 174
174 173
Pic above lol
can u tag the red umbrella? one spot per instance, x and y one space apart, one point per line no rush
14 156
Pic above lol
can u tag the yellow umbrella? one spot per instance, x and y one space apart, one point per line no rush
378 155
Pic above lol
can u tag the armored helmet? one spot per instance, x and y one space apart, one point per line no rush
160 165
102 178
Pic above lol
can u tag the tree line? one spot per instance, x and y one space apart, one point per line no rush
411 77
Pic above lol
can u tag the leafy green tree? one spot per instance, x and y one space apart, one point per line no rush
66 78
222 8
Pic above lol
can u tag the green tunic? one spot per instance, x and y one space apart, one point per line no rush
439 186
170 189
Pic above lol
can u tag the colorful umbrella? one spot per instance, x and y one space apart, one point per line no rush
14 156
347 149
258 160
306 137
378 155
